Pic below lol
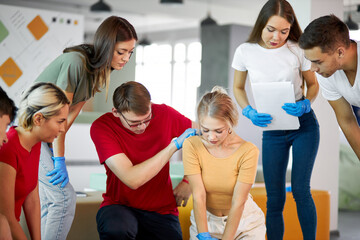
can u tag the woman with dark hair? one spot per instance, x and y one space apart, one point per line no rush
272 54
80 71
42 117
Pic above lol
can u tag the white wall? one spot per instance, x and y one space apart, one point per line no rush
326 170
81 156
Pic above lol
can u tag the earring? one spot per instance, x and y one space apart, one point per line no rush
230 131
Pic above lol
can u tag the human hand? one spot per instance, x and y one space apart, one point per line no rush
297 109
180 140
258 119
205 236
61 174
182 193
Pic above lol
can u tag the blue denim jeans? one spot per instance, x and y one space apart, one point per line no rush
57 204
125 223
276 145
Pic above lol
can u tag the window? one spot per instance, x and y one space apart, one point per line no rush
354 34
172 74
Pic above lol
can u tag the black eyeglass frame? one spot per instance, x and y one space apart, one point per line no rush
140 123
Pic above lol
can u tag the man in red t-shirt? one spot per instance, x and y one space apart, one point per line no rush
135 143
7 115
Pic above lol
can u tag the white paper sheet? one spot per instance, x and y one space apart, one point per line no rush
269 98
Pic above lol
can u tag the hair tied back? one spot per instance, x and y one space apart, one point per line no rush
219 89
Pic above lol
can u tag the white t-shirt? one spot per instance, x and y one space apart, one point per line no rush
337 85
281 64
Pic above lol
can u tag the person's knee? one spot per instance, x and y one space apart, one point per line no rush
61 202
301 194
110 230
116 222
276 202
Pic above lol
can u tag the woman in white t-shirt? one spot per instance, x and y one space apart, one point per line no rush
272 54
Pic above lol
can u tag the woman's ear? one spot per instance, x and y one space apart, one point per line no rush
38 118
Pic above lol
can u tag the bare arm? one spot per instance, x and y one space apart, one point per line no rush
347 121
32 213
199 198
311 84
59 142
241 193
134 176
239 88
7 200
182 191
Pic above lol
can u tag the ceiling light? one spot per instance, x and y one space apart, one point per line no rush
351 24
100 6
171 1
208 21
144 42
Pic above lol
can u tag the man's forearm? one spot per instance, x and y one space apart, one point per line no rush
353 137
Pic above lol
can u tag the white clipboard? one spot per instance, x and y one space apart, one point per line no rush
269 98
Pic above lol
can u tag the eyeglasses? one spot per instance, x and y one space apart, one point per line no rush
136 125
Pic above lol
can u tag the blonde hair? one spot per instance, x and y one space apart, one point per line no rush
217 104
44 98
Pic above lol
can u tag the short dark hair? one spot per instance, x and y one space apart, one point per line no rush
271 8
132 96
7 106
326 32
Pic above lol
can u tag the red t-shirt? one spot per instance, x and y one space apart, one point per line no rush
111 137
26 165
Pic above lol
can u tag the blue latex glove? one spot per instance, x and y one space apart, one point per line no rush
180 140
258 119
61 174
205 236
297 109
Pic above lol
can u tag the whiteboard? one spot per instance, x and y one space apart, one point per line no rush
29 40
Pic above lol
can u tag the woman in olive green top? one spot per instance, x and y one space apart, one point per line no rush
80 71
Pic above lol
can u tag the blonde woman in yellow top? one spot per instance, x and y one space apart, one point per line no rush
221 168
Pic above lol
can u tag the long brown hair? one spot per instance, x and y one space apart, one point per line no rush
98 56
275 8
